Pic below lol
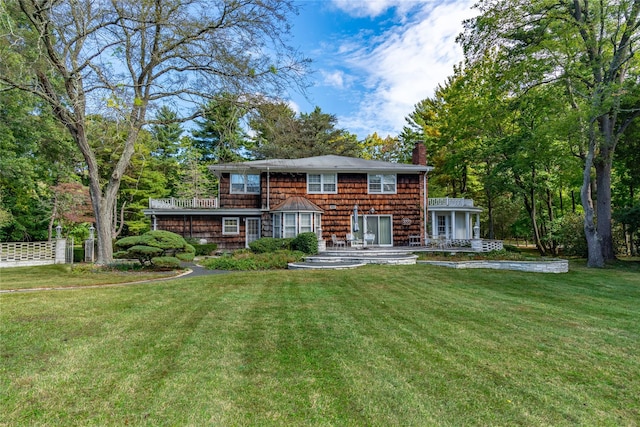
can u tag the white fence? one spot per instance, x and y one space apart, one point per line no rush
173 203
24 254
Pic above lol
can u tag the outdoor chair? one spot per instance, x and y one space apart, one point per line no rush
337 243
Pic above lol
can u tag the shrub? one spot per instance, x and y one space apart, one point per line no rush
568 231
205 249
306 242
270 244
78 254
243 260
156 247
166 262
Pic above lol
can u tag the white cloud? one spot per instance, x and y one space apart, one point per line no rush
374 8
405 64
334 79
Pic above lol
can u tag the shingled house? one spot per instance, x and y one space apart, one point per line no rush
341 199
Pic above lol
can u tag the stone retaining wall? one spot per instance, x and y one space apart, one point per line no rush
542 266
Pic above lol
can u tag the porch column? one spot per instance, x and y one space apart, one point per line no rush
467 227
434 225
453 225
478 223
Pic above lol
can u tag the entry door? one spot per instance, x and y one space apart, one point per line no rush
252 230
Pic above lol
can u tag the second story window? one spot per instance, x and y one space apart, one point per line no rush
245 184
322 183
382 184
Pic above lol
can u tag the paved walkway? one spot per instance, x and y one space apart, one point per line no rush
199 271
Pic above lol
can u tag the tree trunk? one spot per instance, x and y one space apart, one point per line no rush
490 217
594 248
603 202
531 208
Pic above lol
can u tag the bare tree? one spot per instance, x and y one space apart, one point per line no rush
122 58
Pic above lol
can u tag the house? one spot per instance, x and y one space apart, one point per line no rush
366 202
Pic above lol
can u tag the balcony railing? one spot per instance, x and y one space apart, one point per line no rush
453 202
173 203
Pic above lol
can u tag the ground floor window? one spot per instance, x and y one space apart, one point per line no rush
230 225
290 224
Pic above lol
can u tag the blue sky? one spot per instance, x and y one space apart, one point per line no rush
373 60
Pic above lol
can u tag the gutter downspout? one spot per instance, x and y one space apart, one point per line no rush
426 208
268 190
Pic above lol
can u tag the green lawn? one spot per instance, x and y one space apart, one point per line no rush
380 345
64 276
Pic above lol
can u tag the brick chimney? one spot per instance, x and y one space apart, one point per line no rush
419 155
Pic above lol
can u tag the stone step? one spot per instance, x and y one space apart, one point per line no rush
324 265
358 257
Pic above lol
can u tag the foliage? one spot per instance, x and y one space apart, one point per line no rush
280 134
165 263
630 217
242 260
205 249
270 244
568 232
154 244
126 58
583 50
389 149
218 135
306 243
35 155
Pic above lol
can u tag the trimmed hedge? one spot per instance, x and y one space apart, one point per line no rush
158 248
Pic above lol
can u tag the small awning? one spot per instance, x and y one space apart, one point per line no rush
297 204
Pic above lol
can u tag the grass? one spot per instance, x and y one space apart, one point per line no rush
64 275
381 345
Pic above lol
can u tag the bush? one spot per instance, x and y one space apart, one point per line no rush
568 231
243 260
78 254
166 262
306 242
156 247
270 244
206 249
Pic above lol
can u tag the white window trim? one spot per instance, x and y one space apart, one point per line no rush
231 233
322 183
382 176
244 180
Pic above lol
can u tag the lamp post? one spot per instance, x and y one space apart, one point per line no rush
58 231
92 230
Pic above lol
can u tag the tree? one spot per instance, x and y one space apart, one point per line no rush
219 135
280 134
167 136
590 48
389 149
36 153
123 58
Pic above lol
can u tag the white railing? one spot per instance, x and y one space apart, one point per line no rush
447 201
173 203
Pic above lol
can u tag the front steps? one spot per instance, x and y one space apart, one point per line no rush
347 258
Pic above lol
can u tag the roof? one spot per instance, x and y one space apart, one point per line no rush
329 163
296 204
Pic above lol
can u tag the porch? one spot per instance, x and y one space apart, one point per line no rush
454 221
